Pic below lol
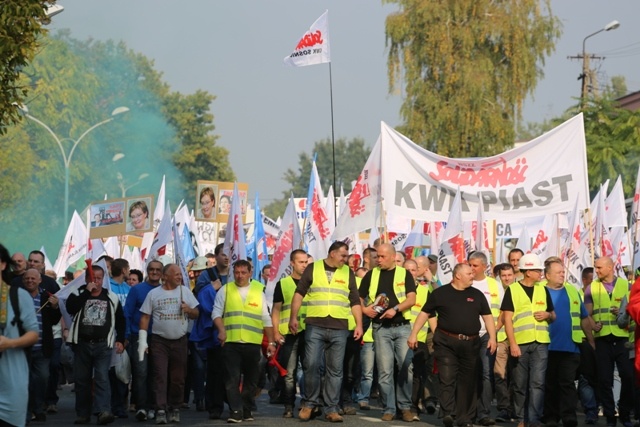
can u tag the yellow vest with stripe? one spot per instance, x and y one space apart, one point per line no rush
574 308
329 299
243 320
602 307
288 287
351 319
525 327
422 294
398 287
501 335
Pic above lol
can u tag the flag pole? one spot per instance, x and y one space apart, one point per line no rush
333 143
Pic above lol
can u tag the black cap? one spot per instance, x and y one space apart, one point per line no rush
433 258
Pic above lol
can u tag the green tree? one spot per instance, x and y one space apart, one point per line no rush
467 66
618 86
350 159
21 25
199 157
76 84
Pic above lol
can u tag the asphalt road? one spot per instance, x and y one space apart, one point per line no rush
267 415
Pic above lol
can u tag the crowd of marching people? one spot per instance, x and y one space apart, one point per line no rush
509 343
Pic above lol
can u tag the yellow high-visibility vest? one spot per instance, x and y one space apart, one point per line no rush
398 287
422 294
329 299
525 327
288 287
501 335
602 304
243 320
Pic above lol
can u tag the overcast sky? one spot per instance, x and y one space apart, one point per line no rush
267 113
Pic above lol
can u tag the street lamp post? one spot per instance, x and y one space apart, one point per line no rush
67 158
585 61
123 187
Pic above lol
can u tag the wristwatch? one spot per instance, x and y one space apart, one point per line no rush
396 309
272 343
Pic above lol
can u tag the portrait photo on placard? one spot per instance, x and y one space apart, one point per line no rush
206 202
139 215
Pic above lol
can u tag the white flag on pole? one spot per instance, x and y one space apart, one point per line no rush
159 211
363 205
615 209
289 239
317 232
313 47
234 241
162 237
74 246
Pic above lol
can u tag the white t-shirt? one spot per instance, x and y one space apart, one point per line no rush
483 286
164 306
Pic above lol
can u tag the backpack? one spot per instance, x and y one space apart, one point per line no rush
15 304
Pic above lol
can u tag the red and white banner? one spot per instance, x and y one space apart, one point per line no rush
544 175
313 47
74 245
162 237
363 205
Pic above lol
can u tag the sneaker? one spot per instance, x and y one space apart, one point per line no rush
503 416
132 408
305 413
161 417
447 421
234 417
288 412
387 417
141 415
215 415
407 416
247 416
175 416
151 415
185 405
486 421
591 418
364 406
105 418
349 410
52 409
334 417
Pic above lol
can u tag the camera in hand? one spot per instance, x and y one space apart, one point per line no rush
381 303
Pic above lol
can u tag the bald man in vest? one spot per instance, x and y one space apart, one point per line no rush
602 299
331 293
566 333
391 330
528 311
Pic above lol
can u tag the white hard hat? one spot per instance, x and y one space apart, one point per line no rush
530 262
200 263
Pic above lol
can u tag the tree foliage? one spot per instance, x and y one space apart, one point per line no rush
76 84
467 66
21 25
350 159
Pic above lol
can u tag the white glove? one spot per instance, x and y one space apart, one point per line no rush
142 344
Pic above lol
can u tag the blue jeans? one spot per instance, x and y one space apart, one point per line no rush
140 389
367 363
51 397
198 358
390 345
290 353
530 368
92 359
38 378
331 344
486 393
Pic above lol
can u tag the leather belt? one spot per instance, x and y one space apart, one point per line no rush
461 337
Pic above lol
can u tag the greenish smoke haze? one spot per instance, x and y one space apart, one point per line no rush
74 85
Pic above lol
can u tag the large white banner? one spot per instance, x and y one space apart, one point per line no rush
542 177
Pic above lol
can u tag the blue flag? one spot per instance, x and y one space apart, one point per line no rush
258 248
